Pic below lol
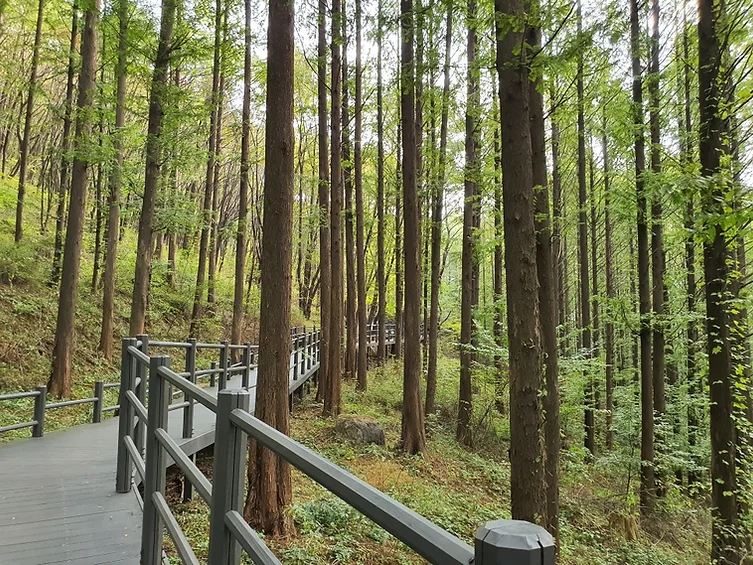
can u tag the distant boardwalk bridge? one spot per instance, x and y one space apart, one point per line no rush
71 496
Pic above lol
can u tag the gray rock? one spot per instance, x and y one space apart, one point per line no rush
360 430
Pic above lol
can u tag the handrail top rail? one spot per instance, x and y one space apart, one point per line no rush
423 536
16 395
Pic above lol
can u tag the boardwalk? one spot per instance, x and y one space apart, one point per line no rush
57 494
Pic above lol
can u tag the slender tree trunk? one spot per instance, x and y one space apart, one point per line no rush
547 296
323 196
399 288
585 293
468 294
62 354
412 436
269 483
381 282
332 392
115 184
609 268
714 131
527 455
24 159
153 161
695 385
648 485
206 225
657 246
350 251
499 266
436 224
57 256
360 249
240 238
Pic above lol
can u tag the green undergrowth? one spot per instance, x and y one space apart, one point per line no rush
456 488
28 310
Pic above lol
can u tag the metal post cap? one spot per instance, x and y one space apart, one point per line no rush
514 542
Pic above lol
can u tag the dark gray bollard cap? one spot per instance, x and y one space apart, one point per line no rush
513 542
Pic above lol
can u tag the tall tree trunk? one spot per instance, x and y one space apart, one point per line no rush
547 296
399 287
62 354
527 455
657 245
468 295
157 100
585 294
360 248
115 184
24 159
500 363
269 484
214 240
381 282
350 251
412 436
609 268
558 244
332 392
436 223
648 485
323 196
714 131
206 208
695 385
240 238
57 256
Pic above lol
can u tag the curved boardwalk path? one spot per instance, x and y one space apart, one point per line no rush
57 493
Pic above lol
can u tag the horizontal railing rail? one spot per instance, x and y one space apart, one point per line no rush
143 431
41 406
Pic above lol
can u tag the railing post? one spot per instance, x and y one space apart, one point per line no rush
156 461
224 360
213 376
99 394
296 341
127 413
40 404
513 542
140 390
188 411
309 343
229 476
246 362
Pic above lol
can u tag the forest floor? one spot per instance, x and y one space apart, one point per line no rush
456 488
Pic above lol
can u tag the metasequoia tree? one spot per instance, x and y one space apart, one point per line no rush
157 102
648 487
381 282
209 178
115 183
714 132
26 140
323 201
240 238
469 280
269 484
412 436
436 224
527 478
62 354
360 248
57 253
547 295
332 391
585 290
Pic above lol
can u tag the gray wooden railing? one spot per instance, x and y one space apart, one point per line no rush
41 406
502 542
